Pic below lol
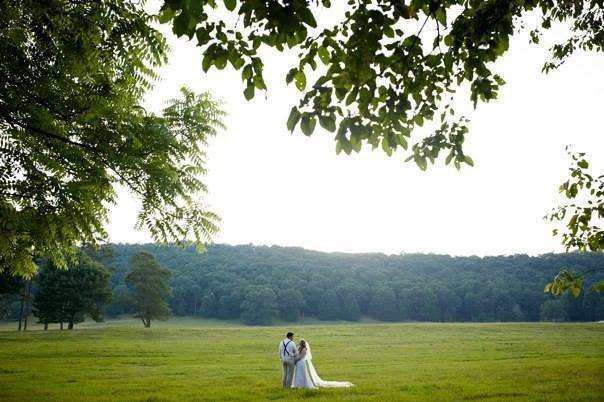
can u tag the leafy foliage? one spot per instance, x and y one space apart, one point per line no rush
259 306
10 286
582 219
565 281
385 68
290 304
72 76
553 310
69 295
227 282
150 287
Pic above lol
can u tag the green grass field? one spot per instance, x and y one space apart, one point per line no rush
387 362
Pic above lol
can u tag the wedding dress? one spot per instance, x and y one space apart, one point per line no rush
306 376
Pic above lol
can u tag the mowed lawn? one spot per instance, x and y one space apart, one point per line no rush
387 362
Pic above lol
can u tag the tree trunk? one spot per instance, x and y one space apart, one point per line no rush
144 322
21 310
45 326
70 324
61 325
24 303
27 304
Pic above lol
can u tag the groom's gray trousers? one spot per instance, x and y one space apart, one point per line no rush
288 374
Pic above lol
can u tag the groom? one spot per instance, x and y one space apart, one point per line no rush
287 355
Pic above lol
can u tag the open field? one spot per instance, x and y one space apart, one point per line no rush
407 362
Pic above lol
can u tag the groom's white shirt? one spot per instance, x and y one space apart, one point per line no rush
287 353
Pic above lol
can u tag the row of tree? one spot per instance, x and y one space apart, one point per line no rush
70 295
259 284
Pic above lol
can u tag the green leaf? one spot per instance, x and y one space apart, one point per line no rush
292 120
365 95
289 77
221 61
421 162
308 124
306 16
502 45
259 83
300 79
386 146
323 55
441 16
166 14
202 36
583 164
468 160
249 92
230 4
207 62
598 287
182 23
246 73
236 60
328 122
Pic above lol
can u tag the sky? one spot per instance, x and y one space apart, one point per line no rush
271 187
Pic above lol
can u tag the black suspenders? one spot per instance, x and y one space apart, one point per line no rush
285 347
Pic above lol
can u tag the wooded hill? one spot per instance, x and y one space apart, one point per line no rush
259 283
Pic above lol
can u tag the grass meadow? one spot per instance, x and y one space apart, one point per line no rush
182 361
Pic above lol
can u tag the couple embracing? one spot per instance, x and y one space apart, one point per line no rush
298 370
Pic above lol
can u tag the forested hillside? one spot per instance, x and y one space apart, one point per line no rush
258 283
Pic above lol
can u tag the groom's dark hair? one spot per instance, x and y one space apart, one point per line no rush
289 335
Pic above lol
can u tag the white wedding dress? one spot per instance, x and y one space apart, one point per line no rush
305 375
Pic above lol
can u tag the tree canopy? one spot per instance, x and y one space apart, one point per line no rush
258 284
72 128
581 219
383 68
72 294
149 285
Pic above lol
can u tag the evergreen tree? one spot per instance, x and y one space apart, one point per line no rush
70 295
149 284
10 287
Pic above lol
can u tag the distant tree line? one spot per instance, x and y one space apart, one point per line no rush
259 284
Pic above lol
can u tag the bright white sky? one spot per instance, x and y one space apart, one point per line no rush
273 188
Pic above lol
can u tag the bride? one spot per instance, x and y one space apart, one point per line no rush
305 374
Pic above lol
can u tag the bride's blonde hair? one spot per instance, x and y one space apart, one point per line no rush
302 345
